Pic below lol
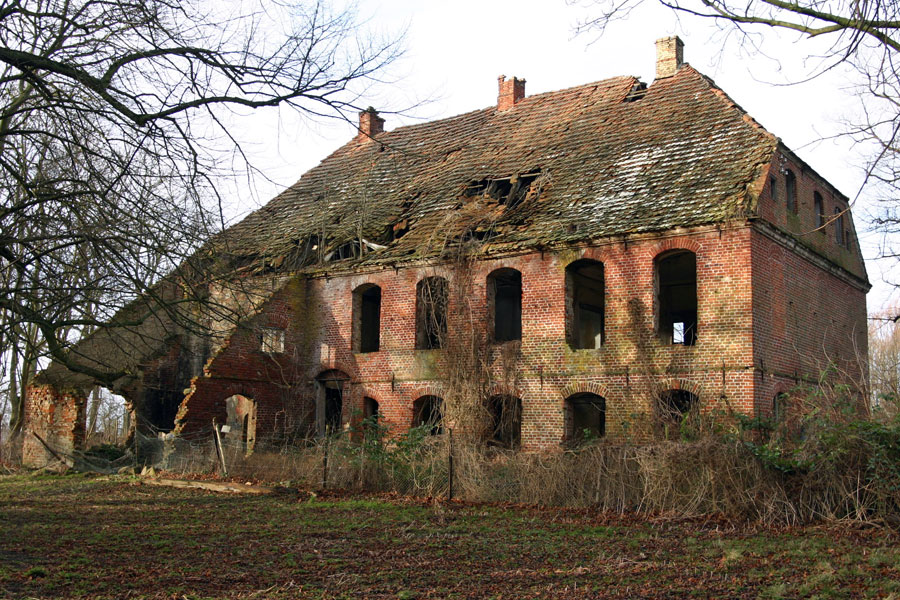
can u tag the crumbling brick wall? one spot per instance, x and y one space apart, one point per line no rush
632 366
56 416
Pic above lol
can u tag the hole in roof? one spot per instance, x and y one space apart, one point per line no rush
506 191
638 91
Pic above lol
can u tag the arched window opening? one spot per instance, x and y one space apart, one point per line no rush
790 190
431 313
506 421
675 405
585 416
818 209
371 425
779 404
838 226
330 402
241 421
370 409
585 304
428 413
366 334
505 304
676 275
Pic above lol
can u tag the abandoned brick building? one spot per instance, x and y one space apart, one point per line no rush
573 260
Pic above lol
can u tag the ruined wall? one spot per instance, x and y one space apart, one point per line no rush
766 316
277 382
58 417
542 370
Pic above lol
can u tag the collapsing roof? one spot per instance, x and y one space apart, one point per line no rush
597 160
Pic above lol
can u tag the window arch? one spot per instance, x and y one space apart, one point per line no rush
370 408
506 420
779 405
431 313
676 297
330 389
818 209
790 191
366 333
675 405
428 411
585 416
585 304
838 226
504 294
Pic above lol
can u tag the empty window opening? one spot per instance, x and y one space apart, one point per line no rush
370 409
428 413
330 402
675 405
838 226
773 189
779 403
506 421
366 331
371 418
241 421
505 304
585 304
677 297
431 313
585 417
272 340
790 190
818 209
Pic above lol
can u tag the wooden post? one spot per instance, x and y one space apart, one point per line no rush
325 464
450 464
219 449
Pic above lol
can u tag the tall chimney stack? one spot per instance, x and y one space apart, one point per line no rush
370 123
511 92
669 56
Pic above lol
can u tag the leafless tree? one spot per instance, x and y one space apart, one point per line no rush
884 362
114 121
863 35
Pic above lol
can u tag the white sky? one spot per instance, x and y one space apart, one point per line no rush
456 49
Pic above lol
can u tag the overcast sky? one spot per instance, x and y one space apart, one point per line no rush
455 51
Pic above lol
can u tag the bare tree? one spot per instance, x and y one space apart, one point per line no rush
113 123
862 35
884 362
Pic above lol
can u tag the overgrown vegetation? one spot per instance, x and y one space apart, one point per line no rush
818 458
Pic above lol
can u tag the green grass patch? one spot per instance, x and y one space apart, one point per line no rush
93 537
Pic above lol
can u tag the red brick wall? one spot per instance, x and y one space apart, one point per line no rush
58 417
767 316
632 362
802 224
805 321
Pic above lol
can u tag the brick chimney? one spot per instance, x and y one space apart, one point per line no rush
511 92
370 123
669 56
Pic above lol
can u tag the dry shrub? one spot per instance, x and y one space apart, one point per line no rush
687 478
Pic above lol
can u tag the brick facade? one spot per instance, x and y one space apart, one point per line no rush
756 303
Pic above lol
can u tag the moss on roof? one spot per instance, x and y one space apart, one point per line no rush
608 162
